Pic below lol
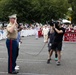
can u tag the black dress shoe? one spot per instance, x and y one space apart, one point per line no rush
14 72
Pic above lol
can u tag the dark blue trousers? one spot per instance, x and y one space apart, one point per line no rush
12 46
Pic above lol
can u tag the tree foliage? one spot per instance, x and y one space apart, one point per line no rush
33 10
73 4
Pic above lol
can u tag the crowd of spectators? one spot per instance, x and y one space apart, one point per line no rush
68 27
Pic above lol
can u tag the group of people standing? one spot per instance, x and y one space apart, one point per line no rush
55 33
55 36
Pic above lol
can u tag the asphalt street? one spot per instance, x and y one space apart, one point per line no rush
33 64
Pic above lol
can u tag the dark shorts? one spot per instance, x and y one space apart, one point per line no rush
57 46
49 47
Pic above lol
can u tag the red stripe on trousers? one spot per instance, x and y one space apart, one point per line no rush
10 55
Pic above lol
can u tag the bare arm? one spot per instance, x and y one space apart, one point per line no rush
58 31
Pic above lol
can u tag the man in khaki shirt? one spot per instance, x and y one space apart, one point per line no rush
12 44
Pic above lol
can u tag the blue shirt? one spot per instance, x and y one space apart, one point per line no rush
1 31
18 37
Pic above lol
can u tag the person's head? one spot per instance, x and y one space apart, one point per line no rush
20 25
58 24
12 18
45 26
36 25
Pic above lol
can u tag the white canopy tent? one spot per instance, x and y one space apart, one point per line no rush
66 21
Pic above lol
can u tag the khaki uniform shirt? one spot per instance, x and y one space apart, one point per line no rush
12 35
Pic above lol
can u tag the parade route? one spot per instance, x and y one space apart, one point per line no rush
32 64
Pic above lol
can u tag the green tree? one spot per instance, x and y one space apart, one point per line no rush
21 8
73 5
33 10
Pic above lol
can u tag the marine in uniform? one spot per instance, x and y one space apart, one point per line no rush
12 44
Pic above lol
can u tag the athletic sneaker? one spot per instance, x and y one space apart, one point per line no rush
56 59
58 63
48 61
